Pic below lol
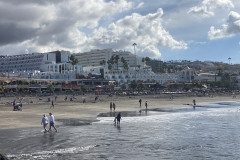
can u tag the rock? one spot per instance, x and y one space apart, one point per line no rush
3 156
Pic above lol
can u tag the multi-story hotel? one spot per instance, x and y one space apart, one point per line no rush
94 57
51 65
24 62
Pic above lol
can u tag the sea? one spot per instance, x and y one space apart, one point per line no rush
210 131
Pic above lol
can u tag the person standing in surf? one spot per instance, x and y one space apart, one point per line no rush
111 106
114 107
118 118
44 122
140 102
146 105
52 122
194 104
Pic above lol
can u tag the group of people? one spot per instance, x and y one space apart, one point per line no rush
140 103
45 122
112 106
17 106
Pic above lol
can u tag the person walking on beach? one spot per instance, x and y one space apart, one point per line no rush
114 107
146 105
52 122
140 102
194 103
44 122
52 106
110 106
118 118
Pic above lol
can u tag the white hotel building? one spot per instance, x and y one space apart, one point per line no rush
91 64
51 65
94 57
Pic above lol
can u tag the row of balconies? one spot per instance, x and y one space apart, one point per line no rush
20 59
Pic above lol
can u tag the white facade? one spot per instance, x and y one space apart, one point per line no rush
22 63
188 74
51 65
57 65
207 77
139 74
94 57
142 74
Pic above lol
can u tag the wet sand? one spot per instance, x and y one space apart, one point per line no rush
78 113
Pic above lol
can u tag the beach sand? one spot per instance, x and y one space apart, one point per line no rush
85 113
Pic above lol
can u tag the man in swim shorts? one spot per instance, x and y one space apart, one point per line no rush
52 122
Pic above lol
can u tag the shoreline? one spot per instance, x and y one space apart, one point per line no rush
76 113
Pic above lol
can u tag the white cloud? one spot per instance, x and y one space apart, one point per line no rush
230 29
53 23
206 9
147 31
140 5
61 25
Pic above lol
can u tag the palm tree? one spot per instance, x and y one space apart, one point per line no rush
109 65
73 60
103 62
116 60
125 64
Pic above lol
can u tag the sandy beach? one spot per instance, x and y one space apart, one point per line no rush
32 112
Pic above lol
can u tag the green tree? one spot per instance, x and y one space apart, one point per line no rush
116 58
125 64
50 88
141 86
103 62
133 84
147 59
84 87
73 60
139 66
109 65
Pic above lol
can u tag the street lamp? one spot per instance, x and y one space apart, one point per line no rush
134 45
229 59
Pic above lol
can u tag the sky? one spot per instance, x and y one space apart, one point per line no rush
205 30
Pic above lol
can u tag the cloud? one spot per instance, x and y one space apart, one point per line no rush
206 9
228 30
60 25
54 23
140 5
145 30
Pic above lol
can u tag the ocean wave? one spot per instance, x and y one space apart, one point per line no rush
52 153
